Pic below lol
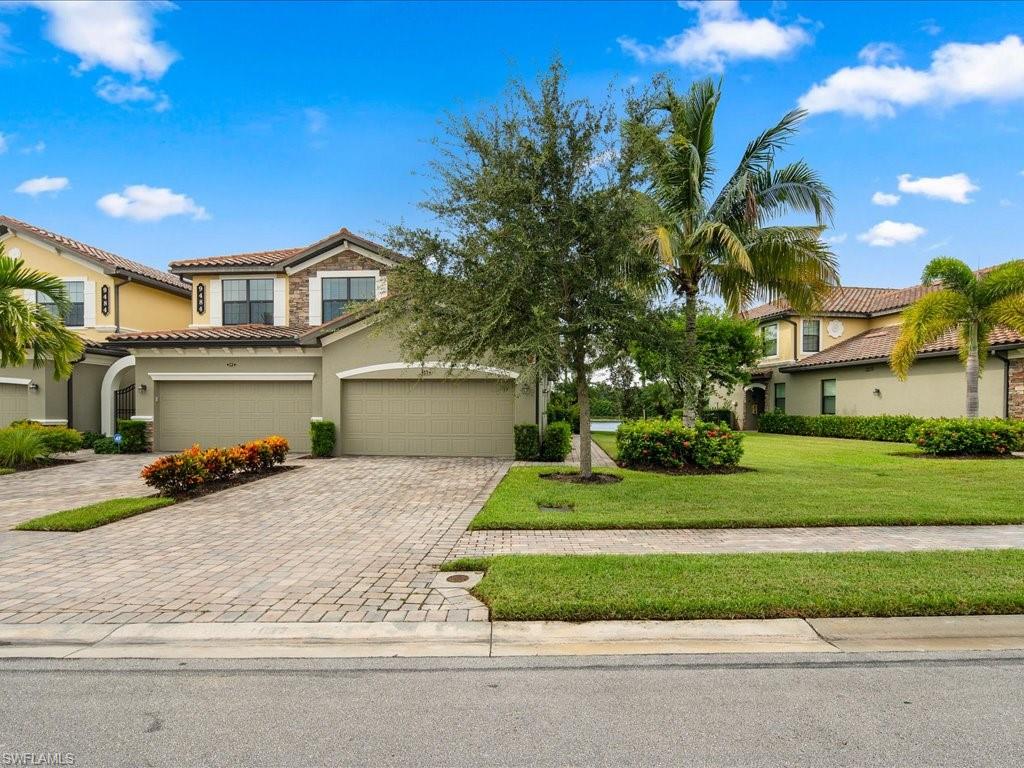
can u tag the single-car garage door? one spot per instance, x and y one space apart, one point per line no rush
13 403
223 413
467 417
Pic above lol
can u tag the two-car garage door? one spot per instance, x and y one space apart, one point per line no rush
227 412
395 417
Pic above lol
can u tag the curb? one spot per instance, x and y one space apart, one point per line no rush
503 638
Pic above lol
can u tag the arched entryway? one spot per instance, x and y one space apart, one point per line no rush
754 402
112 380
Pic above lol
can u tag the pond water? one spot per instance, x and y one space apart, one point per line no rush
604 426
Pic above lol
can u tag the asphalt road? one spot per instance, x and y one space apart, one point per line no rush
893 710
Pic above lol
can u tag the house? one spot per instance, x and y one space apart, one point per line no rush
837 361
277 339
108 293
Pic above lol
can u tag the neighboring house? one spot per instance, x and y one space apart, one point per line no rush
108 294
280 338
837 361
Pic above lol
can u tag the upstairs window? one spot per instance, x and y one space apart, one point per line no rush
341 294
780 397
828 396
811 336
75 317
248 301
770 334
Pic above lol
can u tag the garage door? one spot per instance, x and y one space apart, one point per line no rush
427 418
13 403
227 412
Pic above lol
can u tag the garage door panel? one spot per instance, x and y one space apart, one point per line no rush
227 412
427 418
13 403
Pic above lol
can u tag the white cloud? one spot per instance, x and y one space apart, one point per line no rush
3 143
884 198
43 184
880 53
116 35
1005 202
954 188
112 91
35 149
929 27
140 202
887 233
723 33
959 72
836 239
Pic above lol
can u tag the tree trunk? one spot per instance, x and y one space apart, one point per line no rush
583 398
690 377
972 373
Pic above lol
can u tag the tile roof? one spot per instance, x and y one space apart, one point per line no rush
220 333
844 299
118 264
877 344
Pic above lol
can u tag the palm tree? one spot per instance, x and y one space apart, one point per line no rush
722 244
29 327
968 302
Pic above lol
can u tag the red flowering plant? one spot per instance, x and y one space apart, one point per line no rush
181 474
671 444
178 474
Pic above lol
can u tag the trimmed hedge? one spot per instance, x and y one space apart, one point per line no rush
321 438
527 438
968 437
56 437
569 414
890 429
105 445
133 436
557 443
180 474
670 444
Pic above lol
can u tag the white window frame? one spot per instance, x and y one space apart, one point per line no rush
764 328
316 304
215 294
810 320
88 299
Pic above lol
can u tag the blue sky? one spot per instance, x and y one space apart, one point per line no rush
163 131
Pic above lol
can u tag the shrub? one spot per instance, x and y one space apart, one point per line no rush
670 444
133 436
180 474
557 442
89 439
968 437
321 438
56 437
527 437
891 429
567 413
22 445
719 416
105 445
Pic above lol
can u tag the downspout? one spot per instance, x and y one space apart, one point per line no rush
1006 382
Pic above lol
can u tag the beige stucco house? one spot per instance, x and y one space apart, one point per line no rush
837 361
277 339
108 294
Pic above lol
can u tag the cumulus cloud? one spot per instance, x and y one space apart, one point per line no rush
140 202
836 239
115 92
884 198
887 233
43 184
959 72
929 27
34 149
880 53
723 33
954 188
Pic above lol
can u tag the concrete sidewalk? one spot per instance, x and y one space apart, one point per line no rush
531 638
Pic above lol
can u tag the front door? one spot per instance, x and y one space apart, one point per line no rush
753 407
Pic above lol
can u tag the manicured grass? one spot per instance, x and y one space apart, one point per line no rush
94 515
800 481
761 586
6 471
607 442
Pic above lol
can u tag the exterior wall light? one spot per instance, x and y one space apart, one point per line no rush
142 387
33 386
877 392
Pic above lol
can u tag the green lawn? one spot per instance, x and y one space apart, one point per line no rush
6 471
800 481
607 442
94 515
762 586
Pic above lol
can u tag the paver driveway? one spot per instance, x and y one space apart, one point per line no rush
355 539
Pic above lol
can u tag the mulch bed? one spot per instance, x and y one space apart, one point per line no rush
240 479
688 469
45 464
598 478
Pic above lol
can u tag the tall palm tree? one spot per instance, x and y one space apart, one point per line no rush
971 303
29 327
723 244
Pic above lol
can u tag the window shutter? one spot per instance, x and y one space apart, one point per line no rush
315 301
280 301
89 299
216 306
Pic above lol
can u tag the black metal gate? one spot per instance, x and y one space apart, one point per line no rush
124 403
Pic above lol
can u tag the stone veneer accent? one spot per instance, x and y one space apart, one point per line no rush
298 282
1015 395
